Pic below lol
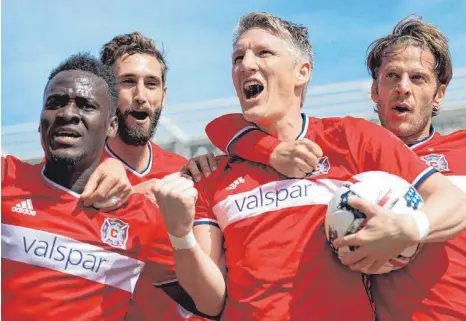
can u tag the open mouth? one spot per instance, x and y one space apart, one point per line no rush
139 115
66 136
252 89
401 109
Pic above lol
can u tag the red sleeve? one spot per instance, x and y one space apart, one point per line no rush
373 148
204 214
234 135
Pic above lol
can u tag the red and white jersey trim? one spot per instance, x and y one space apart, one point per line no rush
66 255
423 176
129 168
50 182
238 134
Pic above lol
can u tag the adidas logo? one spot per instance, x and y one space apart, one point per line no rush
233 185
24 207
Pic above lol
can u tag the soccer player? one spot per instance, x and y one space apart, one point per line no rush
411 69
60 260
279 264
141 73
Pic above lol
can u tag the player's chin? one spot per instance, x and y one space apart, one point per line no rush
399 129
252 113
67 156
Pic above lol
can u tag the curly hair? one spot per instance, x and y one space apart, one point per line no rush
130 44
86 62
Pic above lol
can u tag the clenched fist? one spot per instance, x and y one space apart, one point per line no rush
176 197
296 159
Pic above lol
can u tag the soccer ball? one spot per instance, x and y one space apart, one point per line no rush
388 191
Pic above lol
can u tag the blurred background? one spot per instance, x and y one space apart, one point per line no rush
196 37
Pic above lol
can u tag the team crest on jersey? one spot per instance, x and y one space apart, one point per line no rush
322 167
114 232
437 161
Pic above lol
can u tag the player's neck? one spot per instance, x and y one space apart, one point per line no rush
286 128
72 177
137 157
412 139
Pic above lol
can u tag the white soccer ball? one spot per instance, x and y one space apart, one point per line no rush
388 191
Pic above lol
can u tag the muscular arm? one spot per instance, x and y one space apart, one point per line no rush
445 206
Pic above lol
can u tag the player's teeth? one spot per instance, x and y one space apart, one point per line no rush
67 138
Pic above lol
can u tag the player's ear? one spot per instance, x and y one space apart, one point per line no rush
303 73
374 91
112 127
439 96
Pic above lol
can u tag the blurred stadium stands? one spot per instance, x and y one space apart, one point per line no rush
181 128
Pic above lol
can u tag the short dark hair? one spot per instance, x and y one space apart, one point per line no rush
86 62
130 44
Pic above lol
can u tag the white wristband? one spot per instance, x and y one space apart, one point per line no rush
183 243
422 223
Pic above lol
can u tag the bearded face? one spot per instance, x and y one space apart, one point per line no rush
136 128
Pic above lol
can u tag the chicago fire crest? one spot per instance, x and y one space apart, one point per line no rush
437 161
114 232
322 167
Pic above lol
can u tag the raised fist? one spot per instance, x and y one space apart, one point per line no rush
176 197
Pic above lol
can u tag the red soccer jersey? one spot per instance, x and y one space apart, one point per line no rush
61 261
280 266
433 286
150 302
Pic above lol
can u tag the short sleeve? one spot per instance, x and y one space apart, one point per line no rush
204 213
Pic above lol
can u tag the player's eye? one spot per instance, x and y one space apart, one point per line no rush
238 59
128 82
55 102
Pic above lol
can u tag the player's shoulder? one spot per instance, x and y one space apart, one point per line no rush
458 137
455 141
224 163
166 156
341 123
15 169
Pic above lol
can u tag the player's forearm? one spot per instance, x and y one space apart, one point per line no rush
446 211
202 279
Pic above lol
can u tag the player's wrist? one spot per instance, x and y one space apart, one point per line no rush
416 226
422 224
275 155
185 242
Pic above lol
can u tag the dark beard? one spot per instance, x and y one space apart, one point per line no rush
66 161
136 135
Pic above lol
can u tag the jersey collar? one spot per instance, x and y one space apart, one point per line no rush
48 181
128 167
304 128
432 132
